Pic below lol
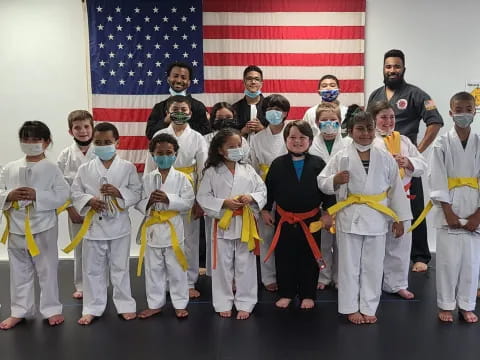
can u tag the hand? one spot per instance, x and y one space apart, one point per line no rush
403 162
267 218
472 222
167 119
341 178
397 229
232 204
255 125
74 215
109 189
159 196
245 130
197 211
97 205
245 199
327 220
17 194
453 221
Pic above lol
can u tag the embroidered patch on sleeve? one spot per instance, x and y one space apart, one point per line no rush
429 105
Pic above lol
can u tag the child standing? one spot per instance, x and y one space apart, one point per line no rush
369 191
231 192
102 192
31 189
80 127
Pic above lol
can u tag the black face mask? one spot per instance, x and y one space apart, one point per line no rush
83 143
219 124
296 154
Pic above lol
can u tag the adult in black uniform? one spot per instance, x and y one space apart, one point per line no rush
178 77
411 104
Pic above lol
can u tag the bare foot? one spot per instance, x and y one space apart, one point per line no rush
225 314
419 267
445 316
404 293
307 304
283 303
321 286
271 287
356 318
202 271
77 295
369 319
181 313
56 320
193 293
243 315
129 316
469 316
10 323
86 319
145 314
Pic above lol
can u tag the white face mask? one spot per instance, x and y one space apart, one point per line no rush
235 154
384 132
32 149
362 148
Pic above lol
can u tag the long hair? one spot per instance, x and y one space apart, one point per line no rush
214 157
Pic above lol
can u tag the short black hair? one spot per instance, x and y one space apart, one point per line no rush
106 126
163 138
328 76
395 53
276 100
252 68
462 96
35 129
180 65
178 99
302 126
360 117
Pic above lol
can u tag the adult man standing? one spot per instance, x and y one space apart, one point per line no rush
411 104
178 77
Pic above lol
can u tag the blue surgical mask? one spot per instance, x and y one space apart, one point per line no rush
329 95
235 154
274 117
329 127
252 94
164 161
173 92
463 120
104 152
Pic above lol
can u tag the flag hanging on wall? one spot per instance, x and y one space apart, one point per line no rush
131 43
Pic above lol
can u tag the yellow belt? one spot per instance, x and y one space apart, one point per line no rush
64 207
188 171
264 169
372 201
160 217
452 184
31 244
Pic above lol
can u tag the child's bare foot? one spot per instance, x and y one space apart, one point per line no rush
271 287
225 314
321 286
356 318
181 313
307 304
10 323
445 316
77 295
369 319
86 319
283 303
243 315
404 293
56 320
129 316
469 316
419 267
145 314
193 293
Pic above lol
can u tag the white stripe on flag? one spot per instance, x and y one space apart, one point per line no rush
134 156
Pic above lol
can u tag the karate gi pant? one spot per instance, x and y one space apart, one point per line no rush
267 269
22 275
458 263
330 255
396 264
192 242
99 256
234 262
360 271
73 229
161 265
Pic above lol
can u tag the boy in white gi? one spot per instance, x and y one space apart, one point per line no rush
230 192
31 189
369 192
166 194
190 160
454 191
102 192
80 127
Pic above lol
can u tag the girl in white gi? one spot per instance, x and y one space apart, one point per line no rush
326 144
166 193
411 163
369 191
266 146
80 127
31 189
453 177
229 192
190 160
102 192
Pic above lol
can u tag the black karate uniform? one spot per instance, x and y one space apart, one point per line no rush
297 269
242 110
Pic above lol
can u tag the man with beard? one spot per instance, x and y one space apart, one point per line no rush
411 104
179 76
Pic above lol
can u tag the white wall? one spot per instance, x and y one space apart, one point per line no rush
43 59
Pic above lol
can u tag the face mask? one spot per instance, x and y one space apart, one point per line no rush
105 153
362 148
173 92
329 95
296 154
274 117
329 127
235 154
34 149
180 118
463 120
82 143
164 161
383 133
252 94
219 124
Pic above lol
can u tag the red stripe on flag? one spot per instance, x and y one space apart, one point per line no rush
133 143
140 167
284 6
121 115
280 59
283 32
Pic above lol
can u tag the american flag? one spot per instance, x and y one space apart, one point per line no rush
294 42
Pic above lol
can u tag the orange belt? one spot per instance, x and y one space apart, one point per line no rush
294 218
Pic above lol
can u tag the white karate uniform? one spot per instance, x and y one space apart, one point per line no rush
266 147
361 230
458 250
193 151
328 240
310 116
51 192
161 264
69 161
234 261
397 250
106 245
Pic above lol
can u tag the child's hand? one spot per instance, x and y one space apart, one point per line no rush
341 178
232 204
327 220
16 195
267 218
453 221
159 196
403 162
245 199
472 222
74 215
109 189
397 229
197 211
97 205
